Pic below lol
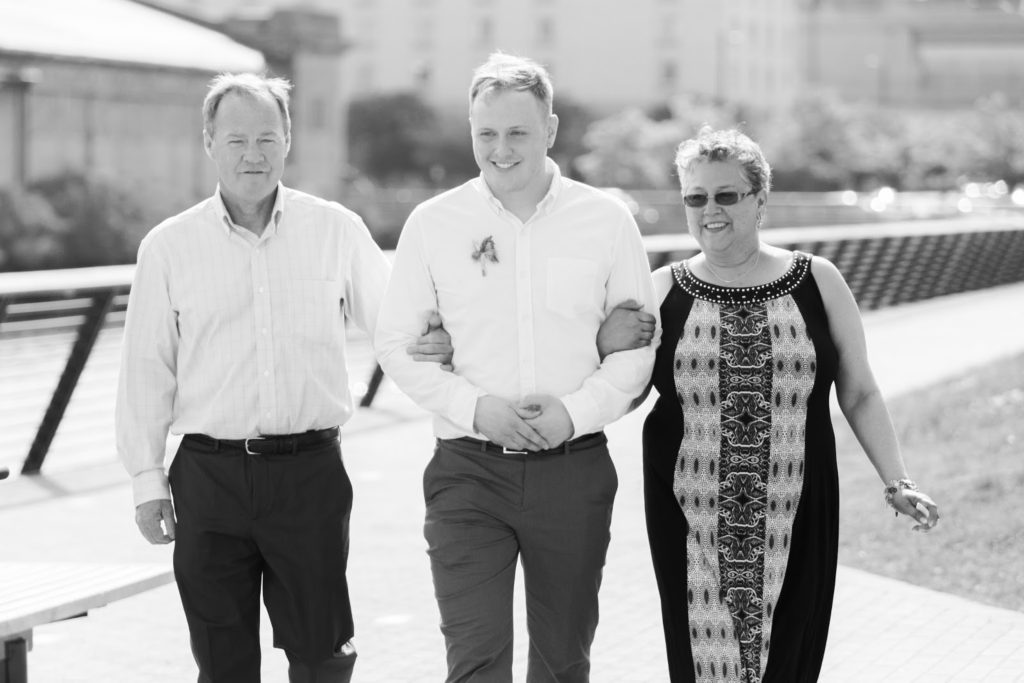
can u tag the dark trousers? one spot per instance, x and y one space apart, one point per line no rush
487 510
282 520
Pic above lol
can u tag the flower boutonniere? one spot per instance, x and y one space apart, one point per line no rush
483 252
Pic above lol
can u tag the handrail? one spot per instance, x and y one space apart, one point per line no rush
885 264
43 282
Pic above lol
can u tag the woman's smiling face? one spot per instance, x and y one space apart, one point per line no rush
719 228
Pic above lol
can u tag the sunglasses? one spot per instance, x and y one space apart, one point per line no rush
697 201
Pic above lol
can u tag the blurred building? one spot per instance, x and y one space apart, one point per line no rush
110 89
113 89
608 54
930 54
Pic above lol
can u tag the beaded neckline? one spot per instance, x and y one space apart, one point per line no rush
782 285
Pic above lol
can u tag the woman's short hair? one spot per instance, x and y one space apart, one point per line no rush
253 85
508 72
725 145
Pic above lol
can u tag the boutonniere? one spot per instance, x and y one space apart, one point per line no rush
483 252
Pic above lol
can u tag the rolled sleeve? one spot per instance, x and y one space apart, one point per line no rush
609 392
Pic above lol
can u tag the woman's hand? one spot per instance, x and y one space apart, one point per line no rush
917 505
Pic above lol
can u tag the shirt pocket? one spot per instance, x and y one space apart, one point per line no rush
314 311
571 286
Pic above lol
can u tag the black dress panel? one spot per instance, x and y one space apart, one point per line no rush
741 489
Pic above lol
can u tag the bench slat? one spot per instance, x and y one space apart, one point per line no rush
32 593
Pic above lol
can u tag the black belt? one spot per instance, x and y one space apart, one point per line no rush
271 444
583 442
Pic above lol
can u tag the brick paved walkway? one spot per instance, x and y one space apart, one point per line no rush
882 630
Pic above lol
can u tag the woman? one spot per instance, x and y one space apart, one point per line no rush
740 473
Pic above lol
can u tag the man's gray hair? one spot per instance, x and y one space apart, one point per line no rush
508 72
253 85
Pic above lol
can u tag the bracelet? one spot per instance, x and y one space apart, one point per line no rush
895 485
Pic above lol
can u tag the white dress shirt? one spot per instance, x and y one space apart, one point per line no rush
523 317
233 335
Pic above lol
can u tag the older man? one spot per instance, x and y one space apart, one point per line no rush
235 338
523 265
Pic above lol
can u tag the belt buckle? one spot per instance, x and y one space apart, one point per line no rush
248 450
511 451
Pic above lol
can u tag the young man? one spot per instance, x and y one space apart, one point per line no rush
522 265
235 337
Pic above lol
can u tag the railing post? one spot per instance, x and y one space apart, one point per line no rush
371 389
87 335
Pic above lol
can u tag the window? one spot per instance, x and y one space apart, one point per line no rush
545 31
669 74
424 33
667 30
485 31
318 114
422 75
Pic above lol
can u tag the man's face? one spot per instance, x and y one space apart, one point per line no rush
249 146
512 132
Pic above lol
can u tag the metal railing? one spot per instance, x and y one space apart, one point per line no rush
893 263
885 264
80 298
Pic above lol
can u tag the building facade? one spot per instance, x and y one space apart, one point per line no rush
927 54
603 53
111 90
609 54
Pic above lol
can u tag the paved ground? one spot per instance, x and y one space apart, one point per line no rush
81 510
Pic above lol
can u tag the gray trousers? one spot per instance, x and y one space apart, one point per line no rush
487 510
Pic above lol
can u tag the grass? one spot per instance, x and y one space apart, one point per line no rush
963 442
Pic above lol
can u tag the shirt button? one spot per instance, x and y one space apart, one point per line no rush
264 330
261 290
266 373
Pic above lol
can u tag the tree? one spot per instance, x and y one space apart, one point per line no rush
629 150
68 221
104 223
573 121
635 149
814 145
995 133
31 233
389 136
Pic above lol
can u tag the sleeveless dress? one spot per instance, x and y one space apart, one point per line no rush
740 483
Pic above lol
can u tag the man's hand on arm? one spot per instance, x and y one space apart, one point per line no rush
548 416
150 514
502 423
627 327
434 344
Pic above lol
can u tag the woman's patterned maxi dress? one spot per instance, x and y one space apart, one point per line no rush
741 489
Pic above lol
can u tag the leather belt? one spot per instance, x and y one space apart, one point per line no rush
270 444
581 443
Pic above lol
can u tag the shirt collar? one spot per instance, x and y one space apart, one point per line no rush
224 218
543 206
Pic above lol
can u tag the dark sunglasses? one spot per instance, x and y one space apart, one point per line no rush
697 201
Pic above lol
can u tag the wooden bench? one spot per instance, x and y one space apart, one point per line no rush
35 593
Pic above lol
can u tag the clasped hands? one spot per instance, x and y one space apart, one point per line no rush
536 423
